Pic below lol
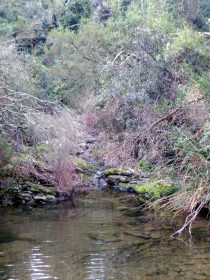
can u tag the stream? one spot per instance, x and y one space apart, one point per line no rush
92 240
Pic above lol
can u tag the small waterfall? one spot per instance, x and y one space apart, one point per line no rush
98 181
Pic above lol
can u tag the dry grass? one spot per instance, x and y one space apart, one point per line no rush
174 140
188 202
59 134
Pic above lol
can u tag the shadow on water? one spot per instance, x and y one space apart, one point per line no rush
7 236
93 240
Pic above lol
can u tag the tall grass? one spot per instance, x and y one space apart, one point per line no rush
60 134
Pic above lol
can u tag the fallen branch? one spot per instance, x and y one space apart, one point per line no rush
189 221
168 117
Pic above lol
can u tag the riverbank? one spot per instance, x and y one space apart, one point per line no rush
36 191
142 186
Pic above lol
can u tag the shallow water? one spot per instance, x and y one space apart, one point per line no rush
92 240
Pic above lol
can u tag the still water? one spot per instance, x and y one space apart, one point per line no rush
92 240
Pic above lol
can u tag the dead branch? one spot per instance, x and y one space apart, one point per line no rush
82 54
168 116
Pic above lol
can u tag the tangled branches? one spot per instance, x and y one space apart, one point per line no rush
15 106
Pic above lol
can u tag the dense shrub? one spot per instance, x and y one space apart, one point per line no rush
195 12
141 79
153 103
73 12
17 16
5 154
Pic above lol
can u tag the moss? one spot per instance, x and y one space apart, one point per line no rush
116 171
125 185
154 189
23 157
95 166
41 149
37 188
109 171
26 156
145 166
83 164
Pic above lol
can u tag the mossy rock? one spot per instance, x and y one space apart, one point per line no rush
44 199
22 158
154 189
116 171
125 187
10 188
117 179
34 155
84 165
37 188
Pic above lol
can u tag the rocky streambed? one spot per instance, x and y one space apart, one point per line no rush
94 175
114 179
32 194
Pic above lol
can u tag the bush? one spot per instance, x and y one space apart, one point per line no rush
153 104
73 13
60 135
5 154
195 12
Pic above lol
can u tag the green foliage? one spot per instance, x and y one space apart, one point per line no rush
5 153
40 150
195 12
17 16
202 83
73 13
6 164
138 76
155 52
144 165
71 62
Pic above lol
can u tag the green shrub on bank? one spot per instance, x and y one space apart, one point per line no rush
5 153
72 14
6 163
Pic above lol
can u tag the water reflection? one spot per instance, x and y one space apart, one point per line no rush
38 269
95 242
95 267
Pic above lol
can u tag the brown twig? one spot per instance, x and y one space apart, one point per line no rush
167 117
82 54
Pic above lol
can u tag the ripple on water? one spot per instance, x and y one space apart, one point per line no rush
95 242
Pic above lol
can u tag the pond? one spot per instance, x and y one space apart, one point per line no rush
92 240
